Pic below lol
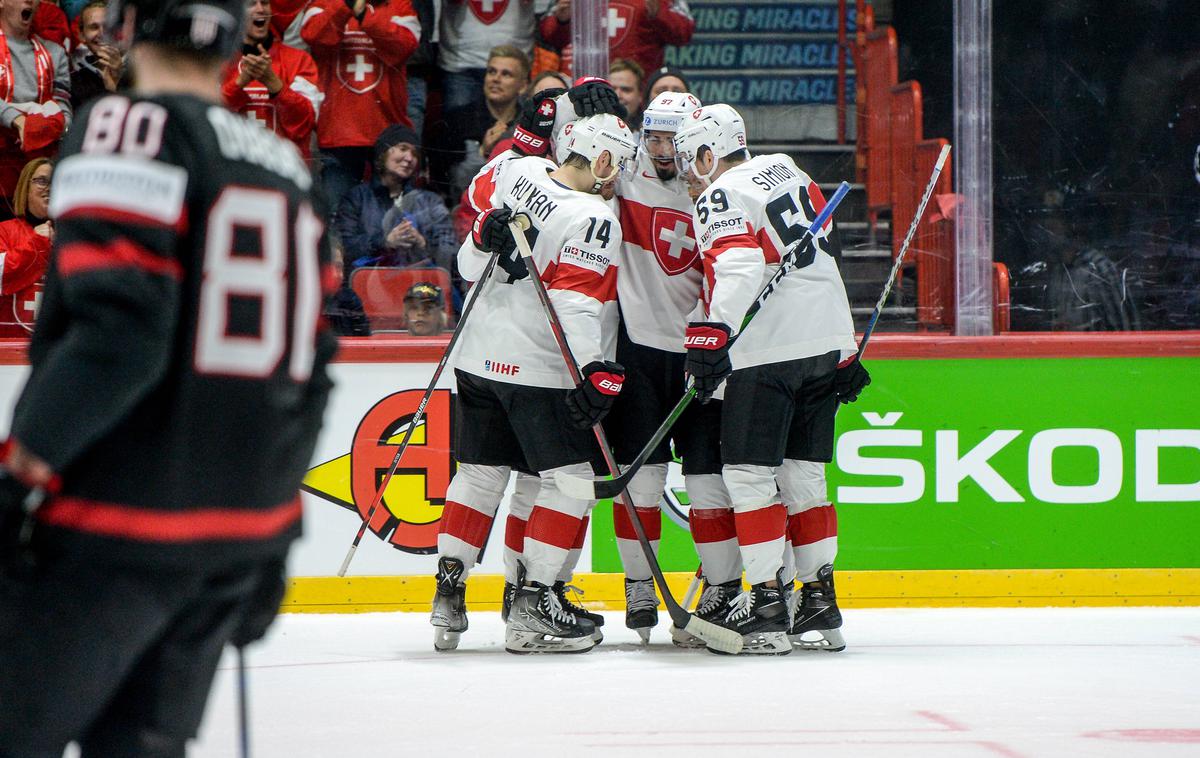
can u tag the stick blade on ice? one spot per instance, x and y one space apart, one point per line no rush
725 640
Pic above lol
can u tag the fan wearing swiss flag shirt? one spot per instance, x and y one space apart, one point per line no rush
360 47
468 29
272 83
637 29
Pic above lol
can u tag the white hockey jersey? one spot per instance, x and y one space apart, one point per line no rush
746 220
468 29
576 243
661 268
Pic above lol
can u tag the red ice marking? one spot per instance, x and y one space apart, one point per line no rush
1192 639
939 718
1175 736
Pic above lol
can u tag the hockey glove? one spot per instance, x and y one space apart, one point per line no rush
591 401
262 605
491 234
535 123
849 379
708 363
592 95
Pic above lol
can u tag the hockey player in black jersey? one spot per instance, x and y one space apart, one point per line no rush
177 386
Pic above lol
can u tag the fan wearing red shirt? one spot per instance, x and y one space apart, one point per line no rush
25 250
637 29
360 47
272 83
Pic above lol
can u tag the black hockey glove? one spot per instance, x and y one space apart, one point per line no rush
535 123
708 363
592 95
850 379
262 606
491 234
591 401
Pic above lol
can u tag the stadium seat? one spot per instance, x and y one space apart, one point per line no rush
382 290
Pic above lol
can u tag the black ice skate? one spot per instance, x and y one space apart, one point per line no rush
762 618
449 616
506 601
713 605
641 607
560 589
817 622
538 623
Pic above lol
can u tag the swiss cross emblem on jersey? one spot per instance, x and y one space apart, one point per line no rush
25 306
488 11
619 21
674 241
359 68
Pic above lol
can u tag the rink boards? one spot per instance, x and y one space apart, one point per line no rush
1017 470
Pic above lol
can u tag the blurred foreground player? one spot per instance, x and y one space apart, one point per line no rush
177 386
782 380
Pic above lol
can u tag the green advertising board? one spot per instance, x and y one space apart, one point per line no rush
1007 463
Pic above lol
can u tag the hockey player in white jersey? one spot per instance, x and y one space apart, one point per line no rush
516 406
782 379
657 291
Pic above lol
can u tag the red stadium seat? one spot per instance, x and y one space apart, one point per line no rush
382 291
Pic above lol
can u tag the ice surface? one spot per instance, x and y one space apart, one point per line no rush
913 682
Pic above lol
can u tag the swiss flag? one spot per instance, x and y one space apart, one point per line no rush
674 240
620 19
488 11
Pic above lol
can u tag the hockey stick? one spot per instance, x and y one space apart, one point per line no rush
725 640
585 489
243 706
416 419
693 587
912 228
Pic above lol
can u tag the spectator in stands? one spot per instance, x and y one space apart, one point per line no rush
467 134
425 309
638 30
421 64
665 79
360 48
96 67
50 23
386 221
25 249
469 29
286 20
35 84
548 80
272 83
627 77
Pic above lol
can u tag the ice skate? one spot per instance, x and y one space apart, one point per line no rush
761 617
506 600
713 605
449 616
641 607
538 623
560 589
816 624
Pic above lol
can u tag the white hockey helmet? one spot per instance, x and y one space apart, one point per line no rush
665 111
590 137
718 127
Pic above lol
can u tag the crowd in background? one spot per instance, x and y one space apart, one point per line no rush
396 103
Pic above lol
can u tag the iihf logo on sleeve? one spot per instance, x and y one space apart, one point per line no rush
507 369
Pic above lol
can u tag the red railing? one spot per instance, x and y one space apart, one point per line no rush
1001 300
907 131
844 49
933 243
876 76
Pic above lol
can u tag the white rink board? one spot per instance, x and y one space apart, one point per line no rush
328 528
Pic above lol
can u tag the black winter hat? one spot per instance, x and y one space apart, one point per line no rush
657 74
394 135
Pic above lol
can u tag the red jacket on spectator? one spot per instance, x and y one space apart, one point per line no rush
631 32
50 22
24 255
361 65
292 113
285 13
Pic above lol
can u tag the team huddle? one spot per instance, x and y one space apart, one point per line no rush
651 252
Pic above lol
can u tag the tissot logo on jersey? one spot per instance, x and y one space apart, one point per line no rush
721 227
588 259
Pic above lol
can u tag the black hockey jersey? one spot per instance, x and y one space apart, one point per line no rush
179 360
